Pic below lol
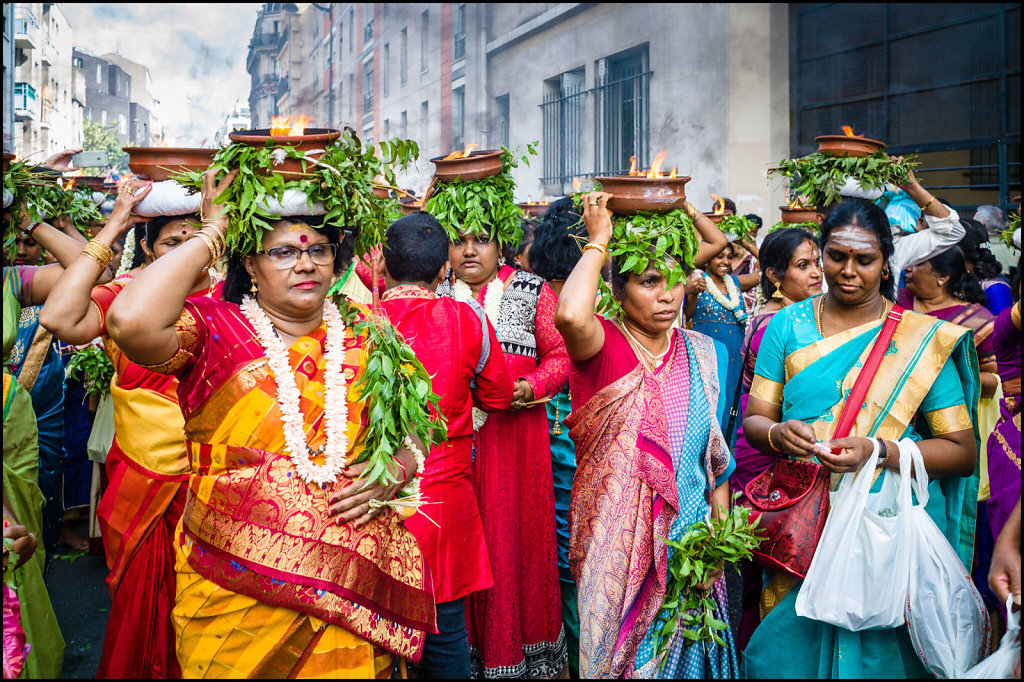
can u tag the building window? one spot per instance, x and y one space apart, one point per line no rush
424 39
351 29
99 74
424 123
459 33
387 129
621 117
404 129
502 109
564 97
76 62
122 124
368 87
88 113
368 32
458 117
403 59
385 70
103 118
351 95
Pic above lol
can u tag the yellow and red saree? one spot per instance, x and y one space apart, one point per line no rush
268 583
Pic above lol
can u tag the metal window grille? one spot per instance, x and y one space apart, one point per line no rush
459 117
459 35
368 87
368 32
621 113
562 111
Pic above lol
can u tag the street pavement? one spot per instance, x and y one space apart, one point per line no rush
78 590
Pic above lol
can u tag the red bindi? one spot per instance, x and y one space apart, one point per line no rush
303 238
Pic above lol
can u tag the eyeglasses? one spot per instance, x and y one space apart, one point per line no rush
286 256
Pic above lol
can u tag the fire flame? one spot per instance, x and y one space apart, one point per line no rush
461 155
795 204
673 173
576 184
848 131
655 169
70 184
284 126
719 205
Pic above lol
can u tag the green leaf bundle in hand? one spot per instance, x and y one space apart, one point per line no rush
819 177
705 546
43 197
741 227
1006 235
484 207
92 366
342 179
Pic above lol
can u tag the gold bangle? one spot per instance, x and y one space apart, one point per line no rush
770 443
98 251
927 204
599 247
211 244
217 238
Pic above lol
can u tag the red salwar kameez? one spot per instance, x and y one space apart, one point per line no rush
148 469
515 627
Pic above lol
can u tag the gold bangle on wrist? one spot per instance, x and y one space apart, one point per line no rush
598 247
98 251
211 244
927 204
770 443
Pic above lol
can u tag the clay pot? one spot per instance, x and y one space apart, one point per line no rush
477 166
411 207
96 183
312 143
381 192
844 145
160 163
7 160
632 193
799 215
534 210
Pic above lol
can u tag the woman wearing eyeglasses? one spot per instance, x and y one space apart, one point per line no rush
147 464
284 568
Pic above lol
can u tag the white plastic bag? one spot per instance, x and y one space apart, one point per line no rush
1000 665
946 617
859 574
168 198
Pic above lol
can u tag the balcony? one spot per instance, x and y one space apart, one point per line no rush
26 29
24 102
48 53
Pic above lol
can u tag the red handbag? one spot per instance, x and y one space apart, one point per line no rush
791 496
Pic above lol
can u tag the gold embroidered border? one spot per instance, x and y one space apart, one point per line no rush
766 389
949 420
1014 457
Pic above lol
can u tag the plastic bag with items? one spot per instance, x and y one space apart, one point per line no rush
859 574
1003 663
946 617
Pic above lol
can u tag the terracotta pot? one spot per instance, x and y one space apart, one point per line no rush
799 215
382 192
632 193
160 163
476 166
844 145
411 207
716 218
535 210
96 183
312 143
7 160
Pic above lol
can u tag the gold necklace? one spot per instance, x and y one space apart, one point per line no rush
649 359
821 314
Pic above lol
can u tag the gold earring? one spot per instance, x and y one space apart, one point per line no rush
254 289
777 295
885 272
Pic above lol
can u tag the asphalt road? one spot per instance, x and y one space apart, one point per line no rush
78 590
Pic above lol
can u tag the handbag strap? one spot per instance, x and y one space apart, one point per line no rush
867 374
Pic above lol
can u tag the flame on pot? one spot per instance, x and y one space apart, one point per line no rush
576 184
848 131
285 126
719 208
461 155
655 169
530 202
795 204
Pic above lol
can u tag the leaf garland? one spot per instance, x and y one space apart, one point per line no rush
40 193
94 368
705 545
399 394
741 227
482 207
342 178
819 177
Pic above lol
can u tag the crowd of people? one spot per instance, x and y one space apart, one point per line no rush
578 445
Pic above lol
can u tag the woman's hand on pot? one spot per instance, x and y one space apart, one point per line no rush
853 452
597 217
129 194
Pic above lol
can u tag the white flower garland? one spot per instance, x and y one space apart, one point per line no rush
733 302
127 254
492 306
335 394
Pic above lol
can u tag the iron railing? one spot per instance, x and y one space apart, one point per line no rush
563 135
622 120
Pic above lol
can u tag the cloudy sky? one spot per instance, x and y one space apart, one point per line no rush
195 54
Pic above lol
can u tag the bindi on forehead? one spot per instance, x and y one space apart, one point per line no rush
303 238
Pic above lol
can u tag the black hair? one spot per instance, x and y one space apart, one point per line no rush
978 251
555 249
237 282
416 248
754 218
510 251
962 284
776 253
155 225
139 257
867 215
730 205
619 278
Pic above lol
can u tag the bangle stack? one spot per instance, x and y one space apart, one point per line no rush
99 252
32 228
214 242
